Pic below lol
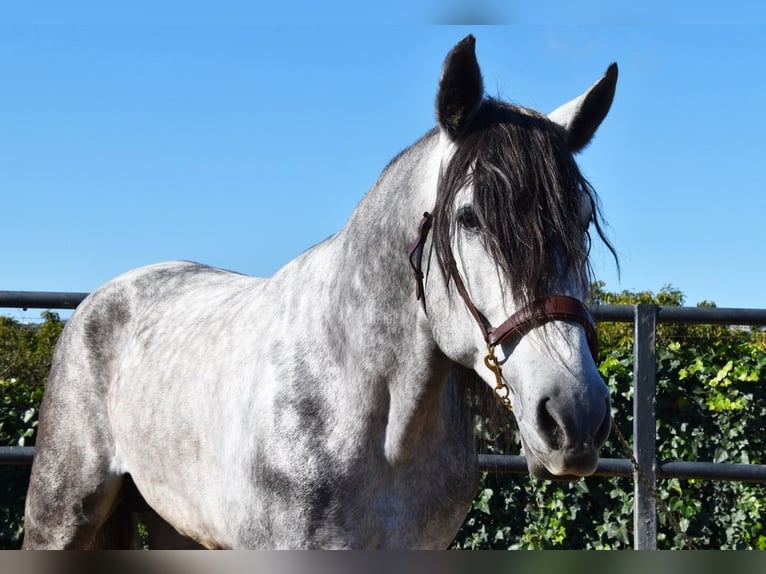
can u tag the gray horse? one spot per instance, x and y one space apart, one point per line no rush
324 407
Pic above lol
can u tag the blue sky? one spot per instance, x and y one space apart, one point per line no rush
239 137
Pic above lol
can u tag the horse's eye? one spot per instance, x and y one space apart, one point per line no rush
467 219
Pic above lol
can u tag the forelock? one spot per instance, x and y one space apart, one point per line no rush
528 192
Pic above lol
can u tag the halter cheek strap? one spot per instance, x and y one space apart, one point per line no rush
539 312
415 256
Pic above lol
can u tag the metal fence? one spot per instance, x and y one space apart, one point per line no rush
645 318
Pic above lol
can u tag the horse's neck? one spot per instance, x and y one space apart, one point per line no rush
373 330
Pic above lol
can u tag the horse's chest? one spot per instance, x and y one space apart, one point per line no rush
425 510
421 506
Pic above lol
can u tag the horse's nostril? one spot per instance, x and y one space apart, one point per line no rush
557 437
550 429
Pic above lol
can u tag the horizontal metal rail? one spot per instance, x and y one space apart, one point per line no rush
11 455
603 313
40 299
688 315
516 464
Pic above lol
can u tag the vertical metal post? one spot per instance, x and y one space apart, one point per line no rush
644 430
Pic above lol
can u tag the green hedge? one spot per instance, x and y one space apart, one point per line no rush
25 358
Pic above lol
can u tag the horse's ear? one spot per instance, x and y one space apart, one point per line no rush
582 116
461 88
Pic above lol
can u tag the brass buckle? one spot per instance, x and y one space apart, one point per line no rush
501 390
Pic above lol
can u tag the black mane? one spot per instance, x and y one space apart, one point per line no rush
527 199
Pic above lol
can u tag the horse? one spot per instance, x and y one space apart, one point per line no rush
324 407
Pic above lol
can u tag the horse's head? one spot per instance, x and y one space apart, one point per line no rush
511 239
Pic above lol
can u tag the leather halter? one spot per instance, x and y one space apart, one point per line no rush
539 312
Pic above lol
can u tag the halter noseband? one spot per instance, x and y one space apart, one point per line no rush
539 312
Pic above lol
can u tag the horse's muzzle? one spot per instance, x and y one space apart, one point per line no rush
566 451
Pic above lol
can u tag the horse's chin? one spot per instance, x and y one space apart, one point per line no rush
540 471
557 469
